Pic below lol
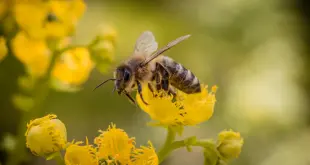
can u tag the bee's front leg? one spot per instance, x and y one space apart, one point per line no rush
140 92
130 98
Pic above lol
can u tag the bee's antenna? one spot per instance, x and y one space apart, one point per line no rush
104 82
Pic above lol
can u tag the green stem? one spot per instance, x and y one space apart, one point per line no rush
168 148
164 151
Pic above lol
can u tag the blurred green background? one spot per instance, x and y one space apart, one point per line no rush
255 51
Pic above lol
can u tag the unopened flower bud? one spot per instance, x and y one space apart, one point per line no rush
104 51
46 135
229 144
108 33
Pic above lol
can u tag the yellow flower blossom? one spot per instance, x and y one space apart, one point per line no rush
73 67
48 18
145 156
3 48
114 145
186 109
229 144
46 135
34 54
77 154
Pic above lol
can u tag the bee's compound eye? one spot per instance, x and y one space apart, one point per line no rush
126 75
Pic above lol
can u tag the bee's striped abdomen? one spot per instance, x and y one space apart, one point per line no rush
180 77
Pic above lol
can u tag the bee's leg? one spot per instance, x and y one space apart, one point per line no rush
158 81
172 91
140 92
164 75
151 88
130 98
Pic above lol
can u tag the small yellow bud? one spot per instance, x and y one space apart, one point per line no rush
3 49
108 33
46 135
104 51
229 144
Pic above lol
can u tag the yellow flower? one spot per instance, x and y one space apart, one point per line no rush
114 145
48 18
186 109
145 156
34 54
73 67
46 135
3 48
77 154
229 144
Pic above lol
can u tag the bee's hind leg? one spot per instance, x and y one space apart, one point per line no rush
140 92
164 76
172 91
151 89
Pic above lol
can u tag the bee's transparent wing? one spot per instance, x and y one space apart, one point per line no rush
146 43
162 50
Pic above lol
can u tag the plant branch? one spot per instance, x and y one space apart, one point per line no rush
191 141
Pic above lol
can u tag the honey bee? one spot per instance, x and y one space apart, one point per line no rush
148 65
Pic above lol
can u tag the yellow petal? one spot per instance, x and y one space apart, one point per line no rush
114 145
145 156
77 154
186 109
73 67
34 54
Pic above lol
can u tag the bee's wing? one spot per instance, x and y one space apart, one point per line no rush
162 50
146 44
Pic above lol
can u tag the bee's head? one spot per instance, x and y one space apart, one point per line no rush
123 78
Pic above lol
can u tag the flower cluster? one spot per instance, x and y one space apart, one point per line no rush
47 135
38 33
